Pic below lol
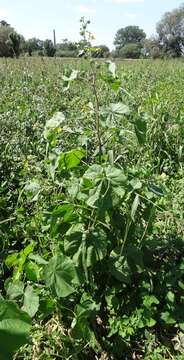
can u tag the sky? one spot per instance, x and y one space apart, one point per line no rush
38 18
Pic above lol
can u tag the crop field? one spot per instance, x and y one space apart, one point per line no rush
91 209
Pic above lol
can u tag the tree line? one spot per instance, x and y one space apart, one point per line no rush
130 41
13 44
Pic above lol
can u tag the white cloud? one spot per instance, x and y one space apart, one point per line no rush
83 9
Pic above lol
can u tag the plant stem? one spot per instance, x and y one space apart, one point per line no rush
7 220
128 224
97 106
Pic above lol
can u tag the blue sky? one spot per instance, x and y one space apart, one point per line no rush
37 18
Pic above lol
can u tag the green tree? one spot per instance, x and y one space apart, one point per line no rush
67 45
152 48
15 42
127 35
4 23
5 31
171 32
33 45
49 48
67 48
130 51
10 42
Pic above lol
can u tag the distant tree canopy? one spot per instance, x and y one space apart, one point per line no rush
66 48
33 45
5 31
15 42
152 48
49 48
127 35
71 49
127 39
67 45
4 23
170 32
131 50
10 41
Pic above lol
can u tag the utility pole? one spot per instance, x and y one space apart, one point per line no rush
54 36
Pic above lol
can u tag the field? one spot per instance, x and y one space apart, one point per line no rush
91 209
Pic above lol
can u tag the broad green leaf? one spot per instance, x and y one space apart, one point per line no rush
105 195
38 259
91 246
116 176
136 184
150 300
94 173
112 81
81 323
86 307
115 84
14 328
101 197
63 211
150 322
61 276
47 307
170 297
119 268
28 249
181 326
181 285
73 239
32 271
31 301
81 329
18 260
62 214
11 260
95 196
168 318
15 289
119 109
71 159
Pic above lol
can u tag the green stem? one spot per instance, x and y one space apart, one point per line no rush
128 224
97 105
7 220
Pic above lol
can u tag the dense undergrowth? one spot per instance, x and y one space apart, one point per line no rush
91 210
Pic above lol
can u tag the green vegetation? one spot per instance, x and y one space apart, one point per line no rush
9 41
49 48
92 199
129 42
